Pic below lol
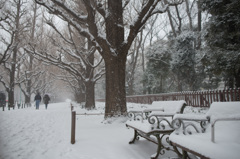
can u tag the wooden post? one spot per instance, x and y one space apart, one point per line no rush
73 127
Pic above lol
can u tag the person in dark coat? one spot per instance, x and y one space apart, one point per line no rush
2 99
38 99
46 100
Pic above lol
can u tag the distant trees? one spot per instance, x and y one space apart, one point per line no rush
186 62
76 56
29 72
178 59
20 25
157 74
13 26
201 57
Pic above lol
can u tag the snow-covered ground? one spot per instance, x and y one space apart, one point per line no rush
45 134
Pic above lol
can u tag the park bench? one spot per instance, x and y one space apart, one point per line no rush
214 135
154 123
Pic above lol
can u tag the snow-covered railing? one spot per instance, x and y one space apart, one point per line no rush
193 98
218 119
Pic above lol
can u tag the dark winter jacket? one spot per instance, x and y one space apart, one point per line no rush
38 97
46 99
2 99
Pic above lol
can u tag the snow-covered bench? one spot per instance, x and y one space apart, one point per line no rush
154 123
215 135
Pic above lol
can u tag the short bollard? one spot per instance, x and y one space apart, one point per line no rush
73 127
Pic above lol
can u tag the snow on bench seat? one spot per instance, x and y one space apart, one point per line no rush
167 108
223 143
146 127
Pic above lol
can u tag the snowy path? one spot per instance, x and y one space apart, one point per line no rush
30 133
37 134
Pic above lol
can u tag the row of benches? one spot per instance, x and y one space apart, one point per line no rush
215 134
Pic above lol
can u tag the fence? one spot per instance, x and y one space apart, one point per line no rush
193 98
16 104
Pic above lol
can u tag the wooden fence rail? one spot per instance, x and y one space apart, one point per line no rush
193 98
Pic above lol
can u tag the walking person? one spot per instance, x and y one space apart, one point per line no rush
46 100
38 99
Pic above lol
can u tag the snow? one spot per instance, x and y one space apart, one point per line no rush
37 134
226 108
227 143
166 106
170 106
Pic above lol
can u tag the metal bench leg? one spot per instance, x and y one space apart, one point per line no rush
159 140
176 151
135 137
185 155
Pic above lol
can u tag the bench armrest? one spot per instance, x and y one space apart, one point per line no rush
215 119
142 114
162 120
136 115
186 123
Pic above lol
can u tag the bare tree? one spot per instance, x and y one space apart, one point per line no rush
112 42
136 53
4 52
29 62
32 75
132 63
14 26
76 59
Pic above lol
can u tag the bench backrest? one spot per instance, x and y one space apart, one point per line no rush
170 106
225 130
224 108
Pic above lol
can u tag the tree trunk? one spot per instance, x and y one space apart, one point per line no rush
89 84
130 87
199 41
30 67
179 84
27 100
237 79
79 96
189 15
115 86
90 95
115 62
171 21
179 20
161 84
12 79
231 82
14 60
